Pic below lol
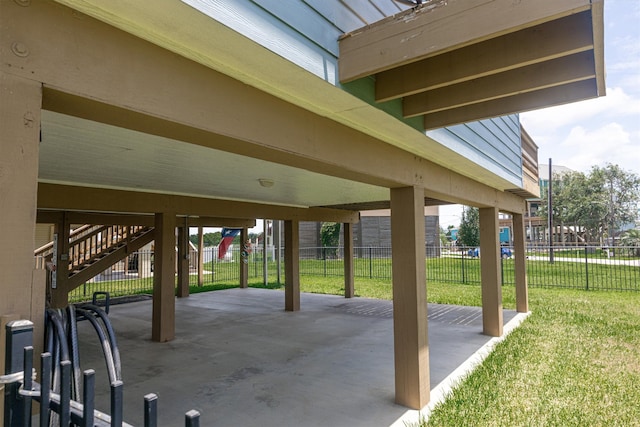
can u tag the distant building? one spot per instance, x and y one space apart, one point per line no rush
374 230
536 227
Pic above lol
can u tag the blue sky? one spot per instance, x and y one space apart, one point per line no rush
597 131
607 129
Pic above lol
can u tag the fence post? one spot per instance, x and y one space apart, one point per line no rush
324 260
151 410
192 418
19 336
462 265
586 266
370 262
117 401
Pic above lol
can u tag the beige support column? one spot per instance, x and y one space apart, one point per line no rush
411 345
347 232
183 262
164 279
20 104
59 287
491 272
244 261
520 255
291 266
200 257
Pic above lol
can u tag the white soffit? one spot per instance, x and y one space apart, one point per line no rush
180 28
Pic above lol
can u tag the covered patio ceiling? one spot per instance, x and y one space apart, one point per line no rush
456 61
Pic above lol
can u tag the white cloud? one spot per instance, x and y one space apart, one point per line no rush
581 148
608 144
549 120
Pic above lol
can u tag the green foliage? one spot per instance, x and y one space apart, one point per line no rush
469 231
600 202
330 234
631 238
210 239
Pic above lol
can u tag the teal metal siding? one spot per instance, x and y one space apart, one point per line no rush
306 32
493 144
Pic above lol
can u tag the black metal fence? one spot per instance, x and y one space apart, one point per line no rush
590 267
57 405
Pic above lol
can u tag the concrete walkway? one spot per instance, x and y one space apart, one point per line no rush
241 360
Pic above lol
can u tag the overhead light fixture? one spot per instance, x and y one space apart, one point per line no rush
265 182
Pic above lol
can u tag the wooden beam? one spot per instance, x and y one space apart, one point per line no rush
540 43
518 103
545 75
55 196
51 217
76 85
441 26
221 222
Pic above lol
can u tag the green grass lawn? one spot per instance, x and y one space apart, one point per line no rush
574 362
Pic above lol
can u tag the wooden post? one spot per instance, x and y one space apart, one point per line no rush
291 266
520 254
183 262
347 231
411 345
20 106
491 272
164 279
59 287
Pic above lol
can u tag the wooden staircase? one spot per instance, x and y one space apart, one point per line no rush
95 248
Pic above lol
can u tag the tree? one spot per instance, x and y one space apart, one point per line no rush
631 238
469 231
620 194
598 203
210 239
330 236
445 236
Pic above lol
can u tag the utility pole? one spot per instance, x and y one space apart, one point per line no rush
550 212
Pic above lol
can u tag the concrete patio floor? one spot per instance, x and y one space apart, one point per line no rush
241 360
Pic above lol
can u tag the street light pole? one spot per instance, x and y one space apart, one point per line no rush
550 212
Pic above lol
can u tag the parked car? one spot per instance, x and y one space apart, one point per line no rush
504 252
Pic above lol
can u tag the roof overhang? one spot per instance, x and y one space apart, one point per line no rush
455 61
203 39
